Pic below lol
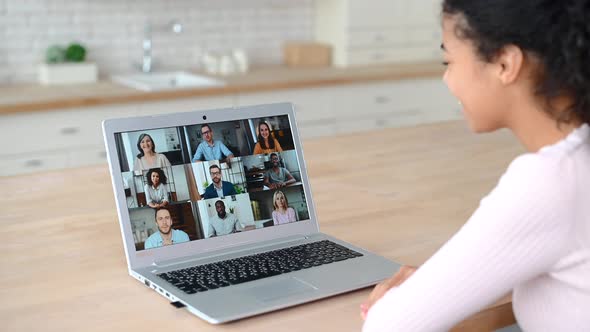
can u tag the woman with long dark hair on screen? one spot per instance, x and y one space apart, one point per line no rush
266 142
525 66
148 157
156 189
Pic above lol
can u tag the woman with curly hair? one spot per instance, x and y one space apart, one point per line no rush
525 66
156 189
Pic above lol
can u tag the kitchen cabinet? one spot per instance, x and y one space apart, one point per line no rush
69 138
59 139
364 32
367 106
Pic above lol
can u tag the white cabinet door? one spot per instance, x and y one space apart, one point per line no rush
42 132
92 155
392 104
373 13
33 162
187 105
362 39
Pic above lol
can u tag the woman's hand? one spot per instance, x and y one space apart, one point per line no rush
398 278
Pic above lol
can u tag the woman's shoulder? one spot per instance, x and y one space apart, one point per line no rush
546 182
161 156
540 168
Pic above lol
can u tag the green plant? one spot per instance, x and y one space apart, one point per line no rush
75 53
58 54
238 190
205 184
55 54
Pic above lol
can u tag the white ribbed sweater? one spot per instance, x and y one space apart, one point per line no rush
530 235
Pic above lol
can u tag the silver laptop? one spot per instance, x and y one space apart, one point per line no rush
216 213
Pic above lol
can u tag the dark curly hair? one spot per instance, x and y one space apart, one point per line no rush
163 178
141 137
556 33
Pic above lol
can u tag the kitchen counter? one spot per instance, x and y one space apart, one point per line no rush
34 97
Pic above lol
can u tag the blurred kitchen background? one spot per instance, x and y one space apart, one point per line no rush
348 66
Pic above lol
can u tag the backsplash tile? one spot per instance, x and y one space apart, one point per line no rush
112 31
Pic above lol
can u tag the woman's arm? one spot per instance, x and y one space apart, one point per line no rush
149 200
292 216
137 164
164 160
257 149
518 232
163 200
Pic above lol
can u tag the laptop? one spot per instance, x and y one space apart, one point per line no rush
216 213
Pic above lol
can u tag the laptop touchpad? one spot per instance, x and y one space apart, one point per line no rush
279 289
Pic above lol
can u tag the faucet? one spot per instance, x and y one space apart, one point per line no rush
147 63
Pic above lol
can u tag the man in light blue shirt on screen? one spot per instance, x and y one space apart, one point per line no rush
210 149
165 235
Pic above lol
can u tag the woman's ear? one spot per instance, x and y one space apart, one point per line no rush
510 61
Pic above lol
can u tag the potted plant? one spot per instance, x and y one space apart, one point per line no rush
64 65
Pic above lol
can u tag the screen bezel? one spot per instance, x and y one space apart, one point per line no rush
137 259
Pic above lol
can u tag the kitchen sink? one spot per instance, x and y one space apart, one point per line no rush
167 81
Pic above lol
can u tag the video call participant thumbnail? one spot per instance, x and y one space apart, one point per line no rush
165 235
148 157
156 189
282 214
266 143
209 148
218 188
224 223
277 176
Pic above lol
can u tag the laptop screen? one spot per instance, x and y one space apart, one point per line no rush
193 182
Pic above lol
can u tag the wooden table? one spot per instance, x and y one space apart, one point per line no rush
399 192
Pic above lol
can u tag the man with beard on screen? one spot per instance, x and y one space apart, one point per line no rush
166 235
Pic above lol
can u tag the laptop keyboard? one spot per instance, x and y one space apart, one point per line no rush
202 278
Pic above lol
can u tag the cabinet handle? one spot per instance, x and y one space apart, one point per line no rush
69 130
381 100
33 163
378 56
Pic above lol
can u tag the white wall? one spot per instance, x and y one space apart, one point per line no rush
290 160
113 31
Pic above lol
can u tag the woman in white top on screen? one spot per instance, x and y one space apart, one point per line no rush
521 65
148 157
156 189
282 214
